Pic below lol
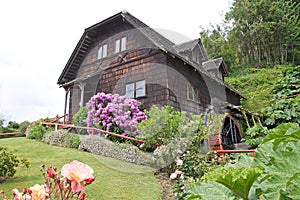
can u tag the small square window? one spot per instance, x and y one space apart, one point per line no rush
137 89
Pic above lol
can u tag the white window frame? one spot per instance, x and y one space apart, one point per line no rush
135 89
192 93
102 51
120 44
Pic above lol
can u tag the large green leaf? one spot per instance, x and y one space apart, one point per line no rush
210 190
239 180
279 155
283 133
293 187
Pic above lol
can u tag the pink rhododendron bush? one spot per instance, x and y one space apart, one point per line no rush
114 113
75 176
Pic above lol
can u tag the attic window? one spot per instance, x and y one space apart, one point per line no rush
120 45
102 51
192 93
136 89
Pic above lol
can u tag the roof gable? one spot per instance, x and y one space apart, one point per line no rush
162 43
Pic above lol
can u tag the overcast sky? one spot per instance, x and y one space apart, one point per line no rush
37 38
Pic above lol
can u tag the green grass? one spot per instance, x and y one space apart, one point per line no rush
114 179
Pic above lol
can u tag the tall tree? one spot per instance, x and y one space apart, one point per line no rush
265 30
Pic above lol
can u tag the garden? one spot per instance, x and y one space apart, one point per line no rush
80 164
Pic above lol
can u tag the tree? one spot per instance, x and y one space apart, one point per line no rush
266 30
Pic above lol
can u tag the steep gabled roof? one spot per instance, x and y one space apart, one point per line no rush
217 63
162 43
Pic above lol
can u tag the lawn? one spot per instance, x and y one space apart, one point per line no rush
114 179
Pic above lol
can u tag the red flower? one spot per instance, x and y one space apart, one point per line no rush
51 172
24 190
89 180
81 196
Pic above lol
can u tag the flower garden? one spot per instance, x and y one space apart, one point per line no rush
173 144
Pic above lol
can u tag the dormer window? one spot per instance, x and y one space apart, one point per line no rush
102 51
120 45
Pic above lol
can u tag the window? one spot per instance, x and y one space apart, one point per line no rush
137 89
102 51
192 93
120 45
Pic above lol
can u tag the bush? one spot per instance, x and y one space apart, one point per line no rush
164 125
62 138
9 162
79 120
114 113
36 130
102 146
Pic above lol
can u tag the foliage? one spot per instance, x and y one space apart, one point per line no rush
36 131
164 125
114 113
9 162
265 31
62 138
191 166
276 162
218 46
79 119
256 85
284 109
13 126
254 135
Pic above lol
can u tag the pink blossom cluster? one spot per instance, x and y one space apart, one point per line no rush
75 176
174 175
114 113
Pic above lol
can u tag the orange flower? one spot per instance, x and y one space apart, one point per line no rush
38 192
77 172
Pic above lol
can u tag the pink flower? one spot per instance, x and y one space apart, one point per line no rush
77 172
38 192
173 176
178 172
19 196
178 161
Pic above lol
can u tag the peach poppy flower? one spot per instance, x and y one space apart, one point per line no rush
77 173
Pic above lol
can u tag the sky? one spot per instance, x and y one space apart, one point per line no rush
37 38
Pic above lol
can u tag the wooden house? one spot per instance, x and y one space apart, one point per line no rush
123 55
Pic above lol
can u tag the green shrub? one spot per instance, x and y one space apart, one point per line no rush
285 107
36 130
164 125
9 162
62 138
79 120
